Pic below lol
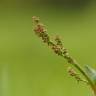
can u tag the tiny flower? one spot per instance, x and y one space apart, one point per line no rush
35 19
57 49
71 71
58 41
39 30
65 51
45 38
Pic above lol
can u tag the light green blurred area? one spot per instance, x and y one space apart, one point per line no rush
27 66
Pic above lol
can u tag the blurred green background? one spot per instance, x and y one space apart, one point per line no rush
27 66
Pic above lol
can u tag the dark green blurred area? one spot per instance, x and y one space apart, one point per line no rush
27 66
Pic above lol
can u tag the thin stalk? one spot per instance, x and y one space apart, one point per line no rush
79 68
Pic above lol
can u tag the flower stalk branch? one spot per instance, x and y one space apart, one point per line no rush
60 50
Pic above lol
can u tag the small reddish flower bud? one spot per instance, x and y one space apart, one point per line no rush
65 51
71 71
36 19
57 50
39 29
58 42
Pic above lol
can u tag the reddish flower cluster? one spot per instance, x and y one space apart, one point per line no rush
74 74
56 46
42 32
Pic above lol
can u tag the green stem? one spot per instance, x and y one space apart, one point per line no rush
78 67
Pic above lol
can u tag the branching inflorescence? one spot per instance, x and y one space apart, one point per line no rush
60 50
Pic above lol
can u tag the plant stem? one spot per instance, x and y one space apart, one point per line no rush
78 67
